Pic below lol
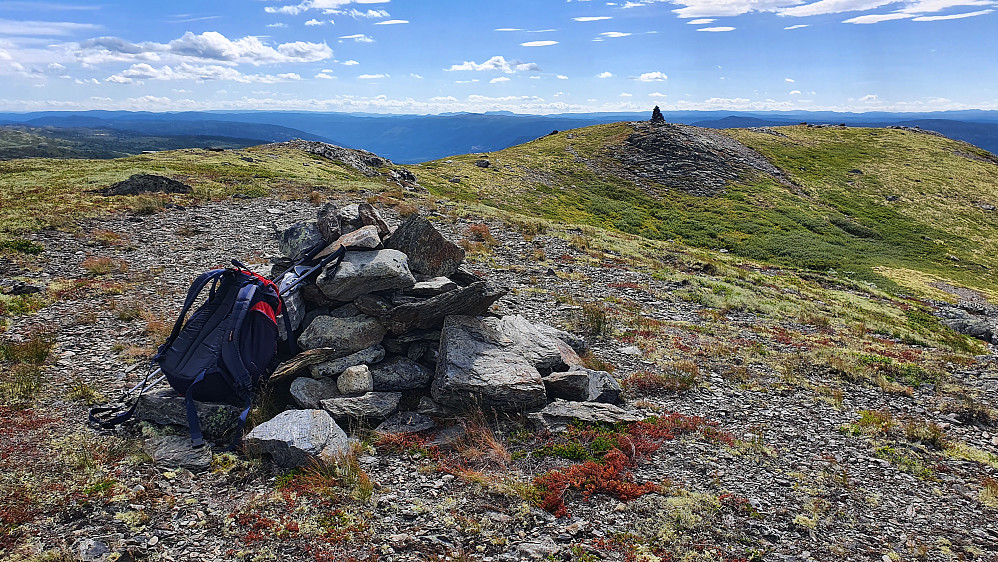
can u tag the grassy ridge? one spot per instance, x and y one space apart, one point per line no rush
42 193
838 216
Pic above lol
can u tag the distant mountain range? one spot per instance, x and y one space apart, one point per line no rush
409 139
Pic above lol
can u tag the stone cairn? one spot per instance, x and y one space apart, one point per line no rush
397 335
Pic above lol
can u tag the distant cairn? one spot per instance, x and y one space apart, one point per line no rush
656 115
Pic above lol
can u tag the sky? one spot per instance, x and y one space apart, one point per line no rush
524 56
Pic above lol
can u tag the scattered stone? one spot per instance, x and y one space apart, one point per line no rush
406 422
91 550
299 238
294 437
355 380
371 405
466 301
14 288
146 183
176 451
344 335
308 392
361 273
583 385
558 415
429 252
534 549
167 407
400 373
476 367
334 367
632 350
482 163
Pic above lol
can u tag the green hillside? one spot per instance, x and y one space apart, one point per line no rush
870 203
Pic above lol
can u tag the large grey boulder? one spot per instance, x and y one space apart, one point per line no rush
308 392
365 272
294 437
400 373
344 335
429 252
167 407
558 415
483 363
299 238
578 345
334 367
371 405
583 385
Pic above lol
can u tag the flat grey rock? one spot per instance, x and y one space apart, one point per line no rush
176 451
400 373
583 385
431 287
334 367
344 335
166 407
361 273
371 405
295 437
406 422
308 392
558 415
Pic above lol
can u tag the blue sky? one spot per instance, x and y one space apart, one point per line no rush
527 56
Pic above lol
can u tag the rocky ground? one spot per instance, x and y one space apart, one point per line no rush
765 459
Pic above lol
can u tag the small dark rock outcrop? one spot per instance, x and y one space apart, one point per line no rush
363 161
146 183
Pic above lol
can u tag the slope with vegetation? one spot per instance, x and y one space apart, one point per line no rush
793 407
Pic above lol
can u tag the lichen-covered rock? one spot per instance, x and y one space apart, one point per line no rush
558 415
295 437
344 335
361 273
355 380
167 407
429 252
299 238
406 422
177 451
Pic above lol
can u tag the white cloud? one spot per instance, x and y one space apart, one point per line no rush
833 7
499 79
357 37
416 76
605 74
329 6
592 18
46 28
278 24
349 63
391 22
652 77
326 74
721 8
496 63
538 43
562 77
794 92
357 14
791 80
372 76
716 29
626 95
798 26
876 18
869 97
701 21
199 73
928 6
314 21
614 34
657 95
953 16
209 46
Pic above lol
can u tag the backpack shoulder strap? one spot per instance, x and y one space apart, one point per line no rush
192 294
230 347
